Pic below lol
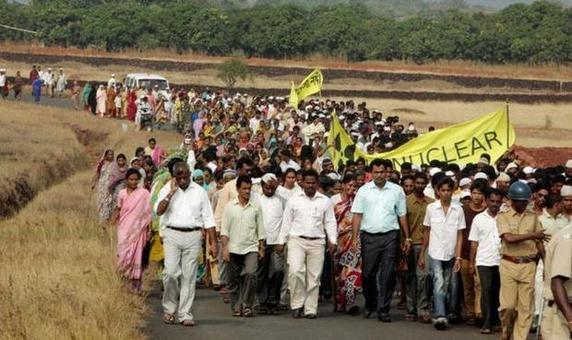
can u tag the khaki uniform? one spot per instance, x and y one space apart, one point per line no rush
517 279
558 263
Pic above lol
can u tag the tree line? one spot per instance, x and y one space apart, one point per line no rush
537 33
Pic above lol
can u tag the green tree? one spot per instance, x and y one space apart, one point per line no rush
231 71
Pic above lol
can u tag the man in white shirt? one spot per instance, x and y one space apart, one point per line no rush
271 267
3 83
254 121
485 253
111 82
185 210
308 219
443 237
287 161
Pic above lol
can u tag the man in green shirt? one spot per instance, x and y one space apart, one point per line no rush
243 237
417 297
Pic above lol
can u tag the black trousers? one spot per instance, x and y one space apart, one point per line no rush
379 254
270 274
242 280
490 289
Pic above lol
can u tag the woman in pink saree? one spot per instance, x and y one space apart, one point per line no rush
133 215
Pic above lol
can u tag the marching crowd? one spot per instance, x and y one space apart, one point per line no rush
252 204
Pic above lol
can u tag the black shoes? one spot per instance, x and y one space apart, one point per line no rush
384 318
367 313
297 313
311 316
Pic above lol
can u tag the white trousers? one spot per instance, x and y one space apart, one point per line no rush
179 276
305 263
538 288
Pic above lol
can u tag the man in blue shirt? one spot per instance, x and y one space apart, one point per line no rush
379 209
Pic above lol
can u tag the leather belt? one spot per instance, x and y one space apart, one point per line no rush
184 230
520 259
310 238
552 302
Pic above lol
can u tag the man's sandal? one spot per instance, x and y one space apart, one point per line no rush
169 319
188 323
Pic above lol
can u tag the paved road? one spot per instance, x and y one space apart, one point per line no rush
214 321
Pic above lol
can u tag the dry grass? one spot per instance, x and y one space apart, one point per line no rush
544 71
207 77
58 279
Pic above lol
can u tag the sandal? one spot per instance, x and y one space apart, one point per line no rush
169 319
247 313
188 323
237 313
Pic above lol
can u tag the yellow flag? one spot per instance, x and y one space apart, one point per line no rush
310 85
461 143
293 98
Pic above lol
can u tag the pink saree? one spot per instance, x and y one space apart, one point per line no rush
132 231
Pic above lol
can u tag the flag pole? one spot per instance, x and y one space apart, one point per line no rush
507 103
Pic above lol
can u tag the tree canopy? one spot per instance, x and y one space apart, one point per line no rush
537 33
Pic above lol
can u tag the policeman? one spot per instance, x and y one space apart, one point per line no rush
521 247
557 320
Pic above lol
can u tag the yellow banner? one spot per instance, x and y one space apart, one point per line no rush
310 85
461 143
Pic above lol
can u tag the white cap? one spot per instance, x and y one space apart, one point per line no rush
465 194
569 164
434 171
2 70
465 181
503 177
450 173
342 117
113 74
484 160
528 170
269 177
511 165
566 190
482 175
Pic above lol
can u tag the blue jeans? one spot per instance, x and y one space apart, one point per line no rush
441 272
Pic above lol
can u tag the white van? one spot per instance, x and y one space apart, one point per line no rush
147 81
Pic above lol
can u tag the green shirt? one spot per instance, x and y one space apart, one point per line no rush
243 226
415 214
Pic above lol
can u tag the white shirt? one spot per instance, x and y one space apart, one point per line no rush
444 228
189 208
111 82
286 194
2 80
337 198
291 164
310 217
484 231
272 211
254 124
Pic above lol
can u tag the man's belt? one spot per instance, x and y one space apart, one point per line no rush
184 230
310 238
520 259
552 302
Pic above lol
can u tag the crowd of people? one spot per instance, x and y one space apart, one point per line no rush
251 203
